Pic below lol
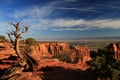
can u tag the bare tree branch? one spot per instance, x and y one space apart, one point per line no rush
26 59
10 38
12 24
16 25
17 35
24 30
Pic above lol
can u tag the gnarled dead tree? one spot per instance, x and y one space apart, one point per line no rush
25 58
17 36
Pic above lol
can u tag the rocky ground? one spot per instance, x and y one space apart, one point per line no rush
48 69
51 69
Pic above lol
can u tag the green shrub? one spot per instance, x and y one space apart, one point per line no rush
104 65
3 38
77 58
65 57
27 49
31 41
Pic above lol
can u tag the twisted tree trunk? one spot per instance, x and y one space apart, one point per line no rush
26 59
17 50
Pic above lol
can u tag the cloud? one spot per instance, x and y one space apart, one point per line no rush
37 16
67 22
78 9
107 23
43 12
38 11
71 0
72 24
32 12
107 6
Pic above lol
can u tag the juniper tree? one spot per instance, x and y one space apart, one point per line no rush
25 59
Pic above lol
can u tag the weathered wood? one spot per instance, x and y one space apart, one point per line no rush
26 59
14 69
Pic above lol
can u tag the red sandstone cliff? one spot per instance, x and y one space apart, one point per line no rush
85 52
6 48
46 50
49 49
42 50
115 47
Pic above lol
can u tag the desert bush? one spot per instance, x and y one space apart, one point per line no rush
104 65
65 57
3 38
31 41
27 49
77 58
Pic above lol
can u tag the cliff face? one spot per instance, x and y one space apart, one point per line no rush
8 58
85 52
6 49
46 49
115 47
49 49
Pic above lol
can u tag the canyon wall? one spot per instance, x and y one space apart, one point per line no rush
49 49
42 51
115 47
6 49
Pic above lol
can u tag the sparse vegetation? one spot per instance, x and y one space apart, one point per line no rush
77 58
104 65
27 49
25 59
65 57
31 41
3 39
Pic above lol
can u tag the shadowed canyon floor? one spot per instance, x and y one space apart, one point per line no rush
50 69
59 73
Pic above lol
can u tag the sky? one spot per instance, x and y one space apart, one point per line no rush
57 19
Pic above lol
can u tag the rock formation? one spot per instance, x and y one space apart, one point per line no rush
50 49
115 47
6 48
85 53
47 49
